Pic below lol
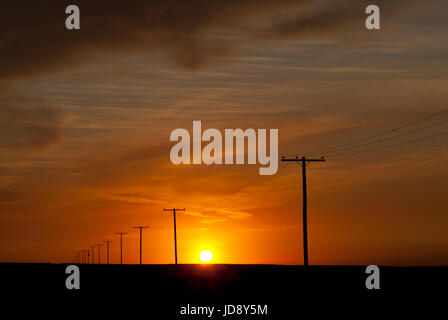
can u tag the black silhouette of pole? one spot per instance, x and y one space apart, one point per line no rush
77 258
99 253
141 228
88 256
93 250
121 245
303 162
174 210
107 242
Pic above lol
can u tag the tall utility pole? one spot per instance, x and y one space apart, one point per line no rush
303 162
107 242
88 256
121 245
99 252
174 210
141 228
93 250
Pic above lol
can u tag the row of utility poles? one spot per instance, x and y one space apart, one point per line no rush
87 256
84 255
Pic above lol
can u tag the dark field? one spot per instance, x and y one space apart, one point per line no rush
160 291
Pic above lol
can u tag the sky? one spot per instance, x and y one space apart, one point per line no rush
86 116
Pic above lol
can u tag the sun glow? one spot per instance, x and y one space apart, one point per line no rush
206 256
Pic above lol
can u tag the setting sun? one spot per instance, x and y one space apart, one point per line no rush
206 256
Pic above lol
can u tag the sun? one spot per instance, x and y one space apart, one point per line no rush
206 256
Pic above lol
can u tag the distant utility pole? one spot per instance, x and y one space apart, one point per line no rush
107 242
174 210
88 256
141 228
121 245
99 252
303 162
77 258
93 250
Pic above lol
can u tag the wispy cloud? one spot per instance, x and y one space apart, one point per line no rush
27 122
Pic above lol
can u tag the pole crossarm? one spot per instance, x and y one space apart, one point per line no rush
297 159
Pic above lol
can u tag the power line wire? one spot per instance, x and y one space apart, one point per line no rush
259 195
228 200
393 145
388 138
326 150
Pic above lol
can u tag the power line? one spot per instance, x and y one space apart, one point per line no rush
258 196
214 204
388 138
393 145
228 200
326 150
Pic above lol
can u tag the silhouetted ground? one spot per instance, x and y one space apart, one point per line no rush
160 291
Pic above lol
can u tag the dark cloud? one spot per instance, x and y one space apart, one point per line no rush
27 123
193 34
34 39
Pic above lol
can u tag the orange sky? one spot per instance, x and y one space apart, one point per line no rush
84 133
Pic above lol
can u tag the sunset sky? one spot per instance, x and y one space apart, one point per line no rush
86 116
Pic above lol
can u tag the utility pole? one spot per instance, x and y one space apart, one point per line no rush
141 228
174 210
77 258
93 250
99 252
121 245
107 242
303 162
88 256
